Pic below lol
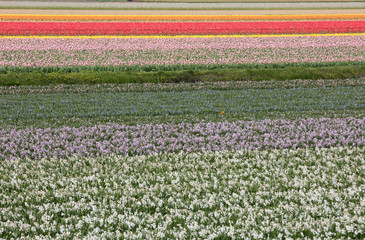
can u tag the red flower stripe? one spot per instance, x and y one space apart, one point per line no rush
179 28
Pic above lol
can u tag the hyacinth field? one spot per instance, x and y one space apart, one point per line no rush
182 126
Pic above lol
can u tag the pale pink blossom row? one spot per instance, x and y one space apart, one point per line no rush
45 52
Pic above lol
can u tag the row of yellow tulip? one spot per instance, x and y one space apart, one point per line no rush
192 36
35 17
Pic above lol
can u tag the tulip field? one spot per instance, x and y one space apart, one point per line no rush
197 126
179 28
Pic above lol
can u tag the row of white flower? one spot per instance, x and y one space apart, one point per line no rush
275 194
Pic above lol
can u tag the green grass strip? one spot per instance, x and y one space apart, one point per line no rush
14 78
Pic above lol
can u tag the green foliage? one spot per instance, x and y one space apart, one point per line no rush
47 76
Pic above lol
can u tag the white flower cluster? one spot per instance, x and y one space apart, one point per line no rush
273 194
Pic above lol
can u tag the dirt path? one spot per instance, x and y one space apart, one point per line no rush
251 1
177 12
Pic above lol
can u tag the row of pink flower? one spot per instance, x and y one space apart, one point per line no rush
43 52
179 28
103 140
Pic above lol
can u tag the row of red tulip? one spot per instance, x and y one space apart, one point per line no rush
179 28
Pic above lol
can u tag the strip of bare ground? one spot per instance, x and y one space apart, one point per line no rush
180 12
251 1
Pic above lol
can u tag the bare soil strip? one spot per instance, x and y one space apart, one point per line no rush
244 1
179 12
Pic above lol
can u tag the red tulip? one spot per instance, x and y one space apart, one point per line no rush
179 28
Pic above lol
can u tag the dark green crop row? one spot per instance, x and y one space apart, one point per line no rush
14 77
177 87
164 105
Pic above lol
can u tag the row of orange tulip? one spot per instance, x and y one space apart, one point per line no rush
33 17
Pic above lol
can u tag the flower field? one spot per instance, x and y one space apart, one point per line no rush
180 28
182 126
242 194
181 52
37 17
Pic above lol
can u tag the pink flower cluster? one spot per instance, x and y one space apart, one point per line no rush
57 52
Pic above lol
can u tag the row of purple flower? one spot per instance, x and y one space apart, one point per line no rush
103 140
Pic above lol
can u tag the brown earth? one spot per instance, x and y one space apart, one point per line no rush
243 1
180 12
